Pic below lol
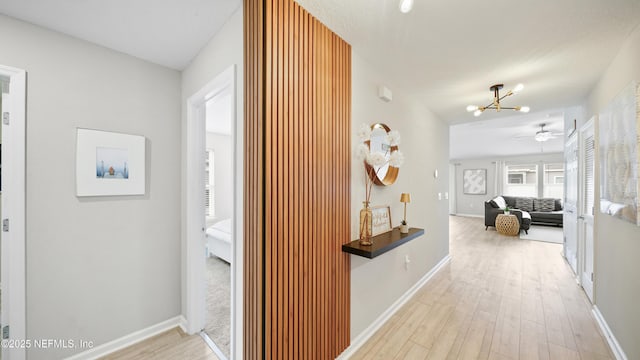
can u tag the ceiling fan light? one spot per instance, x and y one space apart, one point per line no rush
406 6
477 113
471 108
518 88
543 136
524 109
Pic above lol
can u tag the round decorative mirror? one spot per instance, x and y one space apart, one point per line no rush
379 142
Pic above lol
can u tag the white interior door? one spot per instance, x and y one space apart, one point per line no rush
13 313
585 218
4 261
570 217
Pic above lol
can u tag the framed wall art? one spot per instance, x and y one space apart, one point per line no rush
619 156
380 220
474 181
109 163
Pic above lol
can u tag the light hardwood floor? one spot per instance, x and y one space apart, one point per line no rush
499 298
170 345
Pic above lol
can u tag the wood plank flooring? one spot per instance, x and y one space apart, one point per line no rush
499 298
170 345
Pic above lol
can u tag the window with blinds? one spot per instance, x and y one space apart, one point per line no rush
209 185
589 184
521 180
553 185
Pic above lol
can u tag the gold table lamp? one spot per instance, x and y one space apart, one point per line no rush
405 198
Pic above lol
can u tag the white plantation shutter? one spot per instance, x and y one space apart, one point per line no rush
589 153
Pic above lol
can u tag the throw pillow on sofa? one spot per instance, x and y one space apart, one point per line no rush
524 204
558 205
544 205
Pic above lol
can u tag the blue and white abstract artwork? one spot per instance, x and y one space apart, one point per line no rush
112 163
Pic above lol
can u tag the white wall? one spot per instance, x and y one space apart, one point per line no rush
617 242
222 145
222 51
377 283
474 204
97 268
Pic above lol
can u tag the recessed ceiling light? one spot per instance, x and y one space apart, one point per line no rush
406 5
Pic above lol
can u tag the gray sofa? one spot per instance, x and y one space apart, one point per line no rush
546 216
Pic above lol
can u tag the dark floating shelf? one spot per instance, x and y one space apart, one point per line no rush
382 243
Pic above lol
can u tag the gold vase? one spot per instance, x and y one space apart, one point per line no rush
365 224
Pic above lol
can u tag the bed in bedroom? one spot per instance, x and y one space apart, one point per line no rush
219 240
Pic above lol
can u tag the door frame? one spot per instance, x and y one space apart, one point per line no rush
195 225
14 209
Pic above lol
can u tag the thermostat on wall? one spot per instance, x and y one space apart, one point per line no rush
384 93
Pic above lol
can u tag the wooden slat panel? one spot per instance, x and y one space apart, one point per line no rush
253 181
297 184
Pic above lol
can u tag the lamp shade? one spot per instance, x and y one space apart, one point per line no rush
405 198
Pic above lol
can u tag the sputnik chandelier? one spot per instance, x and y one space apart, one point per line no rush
495 104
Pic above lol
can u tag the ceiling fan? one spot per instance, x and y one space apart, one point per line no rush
543 135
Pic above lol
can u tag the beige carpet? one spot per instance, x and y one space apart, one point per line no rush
218 320
552 234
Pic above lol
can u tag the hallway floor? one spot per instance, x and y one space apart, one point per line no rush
499 298
170 345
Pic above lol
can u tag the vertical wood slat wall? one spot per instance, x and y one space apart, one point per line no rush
297 184
253 278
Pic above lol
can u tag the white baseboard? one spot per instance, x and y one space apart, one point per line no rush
470 215
365 335
183 324
613 343
128 340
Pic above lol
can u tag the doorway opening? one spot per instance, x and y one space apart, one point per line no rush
12 198
219 189
213 242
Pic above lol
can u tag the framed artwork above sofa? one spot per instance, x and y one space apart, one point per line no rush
474 181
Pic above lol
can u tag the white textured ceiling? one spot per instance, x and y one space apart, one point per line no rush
166 32
449 52
506 136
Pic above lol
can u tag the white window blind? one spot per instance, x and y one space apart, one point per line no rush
553 185
589 184
209 184
521 180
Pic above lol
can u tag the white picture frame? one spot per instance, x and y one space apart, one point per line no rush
109 163
380 219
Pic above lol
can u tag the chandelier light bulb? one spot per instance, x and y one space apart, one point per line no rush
406 5
525 109
471 108
477 113
518 88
